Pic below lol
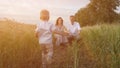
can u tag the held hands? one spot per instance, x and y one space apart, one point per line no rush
64 33
61 33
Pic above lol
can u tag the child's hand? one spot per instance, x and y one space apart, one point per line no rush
36 35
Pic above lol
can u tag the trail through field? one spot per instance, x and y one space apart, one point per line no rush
60 57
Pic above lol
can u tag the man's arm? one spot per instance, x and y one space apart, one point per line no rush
79 28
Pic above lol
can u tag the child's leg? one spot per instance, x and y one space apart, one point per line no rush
49 53
44 60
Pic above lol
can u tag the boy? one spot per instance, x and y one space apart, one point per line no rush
44 34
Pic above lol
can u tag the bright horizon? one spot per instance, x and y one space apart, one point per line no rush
28 11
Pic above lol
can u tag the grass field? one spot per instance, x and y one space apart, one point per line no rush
104 43
99 47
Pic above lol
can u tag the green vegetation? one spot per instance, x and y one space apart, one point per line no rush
99 47
18 46
104 43
98 12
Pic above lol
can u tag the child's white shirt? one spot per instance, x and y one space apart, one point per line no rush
44 30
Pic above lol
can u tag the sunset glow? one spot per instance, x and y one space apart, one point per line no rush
28 10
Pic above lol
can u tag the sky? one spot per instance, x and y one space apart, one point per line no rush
27 11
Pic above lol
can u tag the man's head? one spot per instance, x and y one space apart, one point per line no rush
44 15
72 19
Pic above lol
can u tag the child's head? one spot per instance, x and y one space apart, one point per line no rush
59 21
44 15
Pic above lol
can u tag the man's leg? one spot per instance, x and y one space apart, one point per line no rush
70 39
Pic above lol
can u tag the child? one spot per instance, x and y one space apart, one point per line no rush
60 39
44 34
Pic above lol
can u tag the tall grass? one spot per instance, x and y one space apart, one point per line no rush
73 54
104 43
18 46
99 47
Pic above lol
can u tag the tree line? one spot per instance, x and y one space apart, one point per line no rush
98 12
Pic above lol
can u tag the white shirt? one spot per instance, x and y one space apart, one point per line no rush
74 29
44 30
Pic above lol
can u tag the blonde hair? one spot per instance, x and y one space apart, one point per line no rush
44 15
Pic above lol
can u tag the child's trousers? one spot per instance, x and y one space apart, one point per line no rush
47 53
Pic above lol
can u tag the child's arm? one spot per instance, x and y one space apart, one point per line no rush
36 32
39 32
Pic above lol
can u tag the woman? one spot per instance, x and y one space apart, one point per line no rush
60 39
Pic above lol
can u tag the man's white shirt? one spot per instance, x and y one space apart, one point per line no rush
74 29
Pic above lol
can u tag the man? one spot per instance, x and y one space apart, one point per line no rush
74 29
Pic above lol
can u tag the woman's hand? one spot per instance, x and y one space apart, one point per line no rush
65 33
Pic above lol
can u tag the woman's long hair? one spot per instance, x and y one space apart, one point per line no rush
58 20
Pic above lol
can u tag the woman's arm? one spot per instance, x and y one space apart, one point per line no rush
60 33
65 31
55 31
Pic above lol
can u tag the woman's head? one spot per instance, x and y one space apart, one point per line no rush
59 21
44 15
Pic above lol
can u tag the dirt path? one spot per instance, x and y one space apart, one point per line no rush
60 57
